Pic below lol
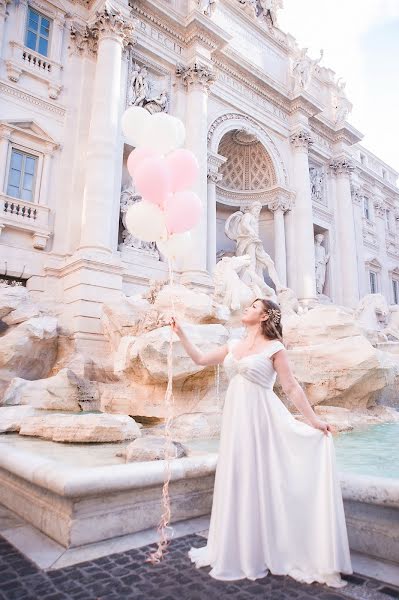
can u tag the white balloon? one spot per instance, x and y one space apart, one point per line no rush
181 132
165 133
135 125
176 245
146 221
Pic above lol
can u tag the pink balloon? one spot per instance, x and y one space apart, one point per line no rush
136 157
184 169
182 211
152 180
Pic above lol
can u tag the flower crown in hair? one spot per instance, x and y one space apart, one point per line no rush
275 315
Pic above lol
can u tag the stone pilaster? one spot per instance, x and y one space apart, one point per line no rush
302 218
341 169
196 79
279 205
113 32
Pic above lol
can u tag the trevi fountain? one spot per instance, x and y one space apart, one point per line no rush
294 209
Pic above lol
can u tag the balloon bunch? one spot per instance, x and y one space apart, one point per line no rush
162 172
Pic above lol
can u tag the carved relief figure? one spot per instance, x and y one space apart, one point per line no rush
140 92
269 8
317 184
321 260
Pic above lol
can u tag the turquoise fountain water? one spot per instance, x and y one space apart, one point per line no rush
372 450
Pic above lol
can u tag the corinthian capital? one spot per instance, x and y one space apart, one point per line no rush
195 74
110 21
341 166
301 139
214 176
280 202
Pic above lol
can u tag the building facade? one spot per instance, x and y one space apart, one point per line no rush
267 123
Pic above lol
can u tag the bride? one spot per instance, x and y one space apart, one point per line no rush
277 502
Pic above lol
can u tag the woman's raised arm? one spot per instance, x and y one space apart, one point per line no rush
214 357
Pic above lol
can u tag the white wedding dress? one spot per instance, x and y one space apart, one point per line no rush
277 502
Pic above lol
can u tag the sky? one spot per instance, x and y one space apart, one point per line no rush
360 39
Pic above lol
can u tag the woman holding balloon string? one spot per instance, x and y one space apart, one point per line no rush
277 503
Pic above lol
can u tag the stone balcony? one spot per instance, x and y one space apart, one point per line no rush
26 216
23 60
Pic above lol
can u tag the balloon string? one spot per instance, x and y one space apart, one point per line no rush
169 450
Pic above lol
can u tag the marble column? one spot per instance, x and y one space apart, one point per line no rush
113 32
348 272
196 79
213 178
302 218
380 214
279 206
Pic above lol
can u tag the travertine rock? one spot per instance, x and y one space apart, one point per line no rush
149 352
347 372
129 317
345 419
11 297
152 448
190 305
28 350
11 417
64 391
319 325
82 428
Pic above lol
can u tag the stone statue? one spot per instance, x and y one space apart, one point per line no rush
316 184
321 260
140 92
268 9
303 69
229 289
371 314
207 7
128 198
342 106
243 228
250 6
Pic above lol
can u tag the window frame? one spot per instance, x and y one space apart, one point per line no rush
371 272
395 286
366 212
41 16
38 167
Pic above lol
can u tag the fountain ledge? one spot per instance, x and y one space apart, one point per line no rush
80 506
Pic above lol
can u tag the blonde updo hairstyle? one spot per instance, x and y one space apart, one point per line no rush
271 328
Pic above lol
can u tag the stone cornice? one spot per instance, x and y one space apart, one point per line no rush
6 89
265 197
200 29
347 133
305 104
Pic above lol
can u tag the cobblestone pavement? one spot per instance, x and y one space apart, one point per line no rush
127 576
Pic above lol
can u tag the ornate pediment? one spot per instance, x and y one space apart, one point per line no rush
30 129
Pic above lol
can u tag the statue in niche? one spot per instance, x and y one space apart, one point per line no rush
140 92
129 197
342 106
316 184
243 227
321 260
303 69
206 7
